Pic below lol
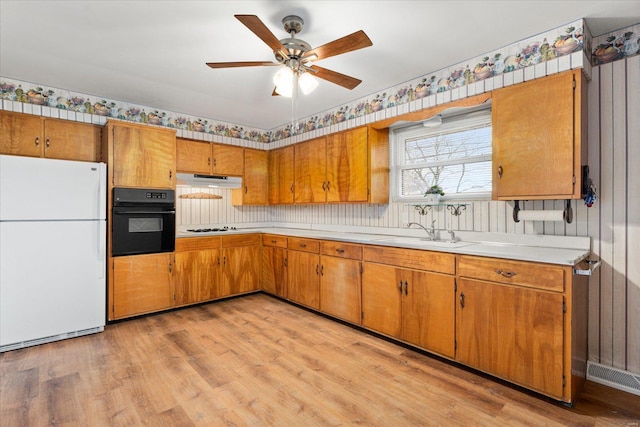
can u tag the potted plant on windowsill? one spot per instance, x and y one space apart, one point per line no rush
433 194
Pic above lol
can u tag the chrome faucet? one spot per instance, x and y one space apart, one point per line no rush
430 231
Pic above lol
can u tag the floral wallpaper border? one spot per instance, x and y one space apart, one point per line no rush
553 44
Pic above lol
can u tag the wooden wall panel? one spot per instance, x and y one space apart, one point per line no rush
633 211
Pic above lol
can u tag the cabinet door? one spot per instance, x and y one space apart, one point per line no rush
71 141
240 270
227 160
21 134
303 284
381 299
281 175
340 288
274 271
143 157
347 166
197 275
512 332
310 171
193 156
428 312
256 177
142 284
533 139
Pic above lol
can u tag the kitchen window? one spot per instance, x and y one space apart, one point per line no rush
449 150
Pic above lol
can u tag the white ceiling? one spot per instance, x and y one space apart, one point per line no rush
153 53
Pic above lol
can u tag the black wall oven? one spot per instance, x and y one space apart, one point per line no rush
143 221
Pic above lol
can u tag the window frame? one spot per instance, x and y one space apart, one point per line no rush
452 122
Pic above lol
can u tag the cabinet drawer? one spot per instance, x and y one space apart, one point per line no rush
274 240
340 249
240 240
197 243
411 258
533 275
305 245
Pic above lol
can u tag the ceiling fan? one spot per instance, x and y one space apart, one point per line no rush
295 56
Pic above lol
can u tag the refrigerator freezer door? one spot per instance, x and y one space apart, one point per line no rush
51 279
45 189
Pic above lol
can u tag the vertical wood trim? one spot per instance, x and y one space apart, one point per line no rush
633 215
594 214
606 219
619 223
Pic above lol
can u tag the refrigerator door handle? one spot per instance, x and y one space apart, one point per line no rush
102 248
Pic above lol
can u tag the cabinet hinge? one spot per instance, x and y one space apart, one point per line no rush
362 315
564 307
455 345
455 284
564 381
573 179
361 268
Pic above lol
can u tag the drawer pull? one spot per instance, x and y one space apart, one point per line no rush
340 251
274 241
507 274
303 245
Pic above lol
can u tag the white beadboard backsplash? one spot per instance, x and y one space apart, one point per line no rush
481 216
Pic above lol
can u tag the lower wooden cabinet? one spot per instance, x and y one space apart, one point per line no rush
197 269
142 284
274 265
303 269
341 281
524 322
240 264
411 305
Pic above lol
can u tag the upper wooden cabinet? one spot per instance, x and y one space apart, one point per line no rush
141 156
538 131
281 175
310 171
36 136
255 182
193 156
208 159
346 167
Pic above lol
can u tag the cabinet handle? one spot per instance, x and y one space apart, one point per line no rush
208 161
340 251
303 245
328 185
462 300
285 262
218 261
324 188
292 188
322 270
170 175
400 286
215 163
37 141
245 189
274 241
224 261
47 143
317 272
406 288
506 274
170 267
500 171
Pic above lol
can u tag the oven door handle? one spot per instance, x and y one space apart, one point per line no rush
143 212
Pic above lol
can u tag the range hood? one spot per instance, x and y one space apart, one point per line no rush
199 180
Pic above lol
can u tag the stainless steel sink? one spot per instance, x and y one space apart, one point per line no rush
422 242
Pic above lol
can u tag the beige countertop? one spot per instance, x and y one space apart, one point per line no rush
527 251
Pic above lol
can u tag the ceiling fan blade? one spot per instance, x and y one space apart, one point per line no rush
240 64
335 77
274 93
254 23
355 41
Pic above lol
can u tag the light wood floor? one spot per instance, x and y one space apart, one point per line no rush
258 361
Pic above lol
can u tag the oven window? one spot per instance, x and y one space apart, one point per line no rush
145 225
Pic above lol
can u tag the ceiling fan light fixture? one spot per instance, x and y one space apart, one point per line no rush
283 80
307 83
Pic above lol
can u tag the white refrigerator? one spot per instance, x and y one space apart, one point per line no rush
52 250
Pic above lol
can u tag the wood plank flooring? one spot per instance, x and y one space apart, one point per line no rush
258 361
